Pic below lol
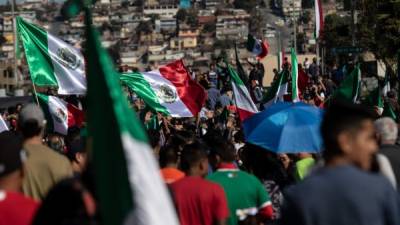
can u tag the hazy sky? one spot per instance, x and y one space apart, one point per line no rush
2 2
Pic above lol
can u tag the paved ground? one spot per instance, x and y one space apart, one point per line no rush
271 16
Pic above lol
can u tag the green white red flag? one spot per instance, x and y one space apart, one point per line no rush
244 104
51 61
258 47
128 183
168 90
59 114
278 89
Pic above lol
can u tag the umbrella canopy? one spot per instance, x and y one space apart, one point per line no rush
286 128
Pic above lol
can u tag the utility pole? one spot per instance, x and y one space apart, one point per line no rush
294 22
353 23
15 39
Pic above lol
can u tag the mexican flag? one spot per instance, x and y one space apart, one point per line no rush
244 104
258 47
128 183
319 18
168 90
51 61
277 90
349 89
3 125
295 77
59 114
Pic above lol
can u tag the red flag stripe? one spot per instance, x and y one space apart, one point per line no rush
190 92
244 114
75 116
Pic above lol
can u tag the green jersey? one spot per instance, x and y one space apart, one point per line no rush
244 192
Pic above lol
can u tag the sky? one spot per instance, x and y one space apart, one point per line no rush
2 2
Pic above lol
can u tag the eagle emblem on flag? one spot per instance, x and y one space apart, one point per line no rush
167 94
67 58
60 115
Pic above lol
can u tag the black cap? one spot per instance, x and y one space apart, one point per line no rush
11 153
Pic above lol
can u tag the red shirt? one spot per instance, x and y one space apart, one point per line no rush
16 209
199 202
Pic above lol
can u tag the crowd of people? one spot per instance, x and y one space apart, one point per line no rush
213 175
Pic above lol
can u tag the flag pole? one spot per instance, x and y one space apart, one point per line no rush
35 93
317 50
279 51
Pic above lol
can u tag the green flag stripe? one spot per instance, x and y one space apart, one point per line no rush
137 83
349 88
34 40
107 119
43 102
235 77
273 90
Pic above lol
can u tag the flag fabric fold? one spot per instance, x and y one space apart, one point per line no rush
278 89
3 125
59 114
281 58
51 61
239 68
302 80
349 89
258 47
168 90
128 183
295 77
244 104
319 19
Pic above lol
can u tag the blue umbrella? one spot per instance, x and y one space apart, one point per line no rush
286 128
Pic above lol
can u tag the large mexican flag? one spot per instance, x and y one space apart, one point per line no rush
168 90
128 183
51 61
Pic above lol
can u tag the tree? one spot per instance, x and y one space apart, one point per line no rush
181 15
379 29
191 17
2 40
145 26
209 27
336 33
305 17
307 4
247 5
